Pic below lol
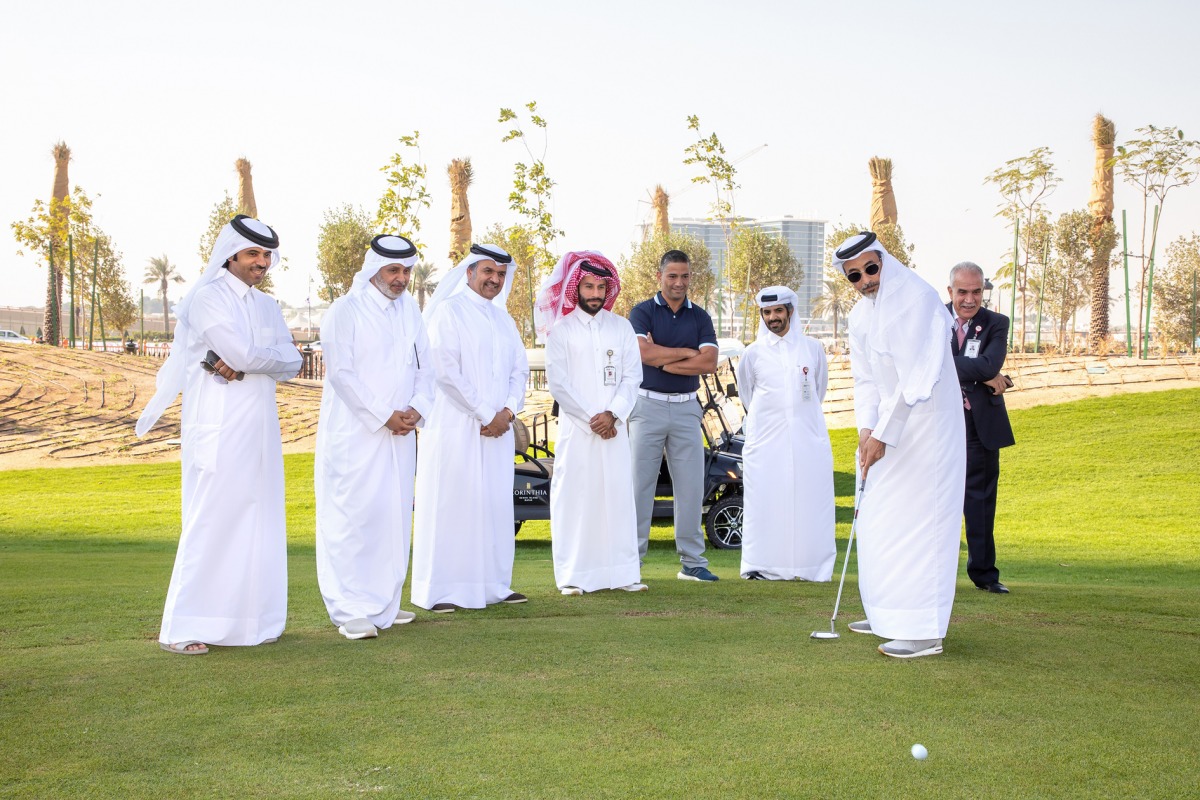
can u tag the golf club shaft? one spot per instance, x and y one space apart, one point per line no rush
849 546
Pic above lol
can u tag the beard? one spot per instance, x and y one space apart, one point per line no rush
591 307
387 290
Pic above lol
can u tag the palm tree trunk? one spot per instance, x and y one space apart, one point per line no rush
1100 204
166 309
246 204
460 174
883 198
662 218
59 225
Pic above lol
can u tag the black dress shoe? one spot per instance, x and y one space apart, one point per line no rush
994 588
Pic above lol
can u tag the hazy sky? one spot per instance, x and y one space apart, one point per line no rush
157 100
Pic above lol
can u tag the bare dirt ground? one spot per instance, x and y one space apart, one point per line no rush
74 407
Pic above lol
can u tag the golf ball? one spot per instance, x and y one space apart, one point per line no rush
919 752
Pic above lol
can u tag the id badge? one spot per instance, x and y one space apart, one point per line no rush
610 371
972 350
806 388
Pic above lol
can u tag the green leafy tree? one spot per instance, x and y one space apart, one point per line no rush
1024 184
531 197
757 260
639 271
1066 285
406 197
1037 242
1157 162
55 226
341 245
71 221
707 153
110 306
113 291
1175 298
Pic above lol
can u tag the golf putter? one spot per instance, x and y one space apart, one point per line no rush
832 632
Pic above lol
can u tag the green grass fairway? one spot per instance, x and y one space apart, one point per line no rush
1084 682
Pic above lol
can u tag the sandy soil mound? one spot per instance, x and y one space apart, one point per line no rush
75 407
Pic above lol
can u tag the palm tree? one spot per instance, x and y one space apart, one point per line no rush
662 220
461 176
883 199
161 271
1100 204
59 222
246 204
837 299
422 283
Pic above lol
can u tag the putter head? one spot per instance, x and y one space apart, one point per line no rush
823 635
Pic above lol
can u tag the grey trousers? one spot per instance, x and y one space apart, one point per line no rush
655 426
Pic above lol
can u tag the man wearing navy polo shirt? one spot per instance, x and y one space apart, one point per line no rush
678 344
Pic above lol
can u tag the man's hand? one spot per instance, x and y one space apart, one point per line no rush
604 425
397 424
657 356
499 424
402 423
225 371
999 383
870 450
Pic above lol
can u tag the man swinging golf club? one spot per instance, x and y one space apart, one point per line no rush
911 450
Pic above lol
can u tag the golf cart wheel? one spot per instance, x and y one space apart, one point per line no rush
724 523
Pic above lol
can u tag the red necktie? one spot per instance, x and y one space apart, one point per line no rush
962 337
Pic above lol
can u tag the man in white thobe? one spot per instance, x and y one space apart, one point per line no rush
229 585
911 450
787 460
594 368
463 533
378 387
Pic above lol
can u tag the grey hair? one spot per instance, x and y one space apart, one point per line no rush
965 266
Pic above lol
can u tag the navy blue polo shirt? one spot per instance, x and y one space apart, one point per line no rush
691 327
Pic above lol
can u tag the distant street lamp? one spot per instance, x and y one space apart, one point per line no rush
987 293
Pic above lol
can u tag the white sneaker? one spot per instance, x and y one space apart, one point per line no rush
403 617
864 626
571 590
360 628
634 587
911 648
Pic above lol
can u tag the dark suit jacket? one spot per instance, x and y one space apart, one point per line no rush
987 410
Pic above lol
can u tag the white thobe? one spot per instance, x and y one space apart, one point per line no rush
787 461
910 520
377 361
593 522
229 584
463 532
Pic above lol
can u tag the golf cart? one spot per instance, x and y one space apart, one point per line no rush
722 497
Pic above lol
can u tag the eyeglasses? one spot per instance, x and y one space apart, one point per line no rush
856 276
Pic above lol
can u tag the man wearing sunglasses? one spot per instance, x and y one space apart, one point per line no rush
911 450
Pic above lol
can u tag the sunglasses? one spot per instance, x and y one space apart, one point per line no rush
856 276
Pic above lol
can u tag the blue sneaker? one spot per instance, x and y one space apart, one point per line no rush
696 574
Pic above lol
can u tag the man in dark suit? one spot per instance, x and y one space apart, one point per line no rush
979 343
